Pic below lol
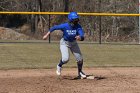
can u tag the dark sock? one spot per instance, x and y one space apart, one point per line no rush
60 63
79 65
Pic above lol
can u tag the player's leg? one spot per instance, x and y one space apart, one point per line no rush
65 56
77 53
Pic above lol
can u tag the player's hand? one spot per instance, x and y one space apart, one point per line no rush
78 38
46 36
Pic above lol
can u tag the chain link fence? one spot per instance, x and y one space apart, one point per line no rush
105 29
98 29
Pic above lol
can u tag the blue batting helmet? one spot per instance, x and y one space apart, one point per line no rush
72 16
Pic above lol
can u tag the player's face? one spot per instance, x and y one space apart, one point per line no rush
75 21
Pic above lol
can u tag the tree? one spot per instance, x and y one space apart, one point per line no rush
37 20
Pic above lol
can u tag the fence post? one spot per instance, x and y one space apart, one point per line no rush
49 28
139 22
100 32
100 24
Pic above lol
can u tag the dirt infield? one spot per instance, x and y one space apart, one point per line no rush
108 80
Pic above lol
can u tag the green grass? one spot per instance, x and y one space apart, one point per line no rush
44 55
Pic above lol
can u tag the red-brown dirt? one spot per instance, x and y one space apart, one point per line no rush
108 80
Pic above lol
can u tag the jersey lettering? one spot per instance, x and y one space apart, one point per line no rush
71 32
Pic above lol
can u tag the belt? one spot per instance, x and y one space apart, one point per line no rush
65 39
68 41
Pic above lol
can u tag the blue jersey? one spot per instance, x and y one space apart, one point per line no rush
69 32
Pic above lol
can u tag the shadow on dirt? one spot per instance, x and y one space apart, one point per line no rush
79 78
100 78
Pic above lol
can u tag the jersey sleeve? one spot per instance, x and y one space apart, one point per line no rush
81 33
57 27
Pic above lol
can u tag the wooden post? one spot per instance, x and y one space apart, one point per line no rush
100 24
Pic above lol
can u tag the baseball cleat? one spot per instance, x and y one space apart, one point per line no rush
58 71
83 76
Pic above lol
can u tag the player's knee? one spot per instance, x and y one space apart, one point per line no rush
80 61
65 60
79 58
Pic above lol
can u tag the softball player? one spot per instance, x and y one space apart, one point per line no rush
72 31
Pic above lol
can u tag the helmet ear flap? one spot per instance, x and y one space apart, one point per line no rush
69 18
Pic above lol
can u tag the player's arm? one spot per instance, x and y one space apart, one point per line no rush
46 35
57 27
80 36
